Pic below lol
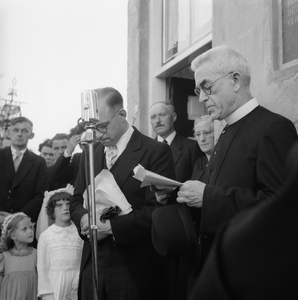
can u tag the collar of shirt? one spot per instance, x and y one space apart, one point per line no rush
13 152
123 141
169 139
242 111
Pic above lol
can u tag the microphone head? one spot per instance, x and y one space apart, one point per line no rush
89 106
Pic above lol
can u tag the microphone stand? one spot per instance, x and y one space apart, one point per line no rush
89 139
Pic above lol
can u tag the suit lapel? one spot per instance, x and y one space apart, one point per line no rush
25 166
7 163
129 158
175 147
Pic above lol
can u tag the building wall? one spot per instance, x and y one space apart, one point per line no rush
251 28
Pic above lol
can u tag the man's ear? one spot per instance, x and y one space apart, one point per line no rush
32 135
237 80
174 116
123 113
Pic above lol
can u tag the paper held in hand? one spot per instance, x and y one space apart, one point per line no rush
151 178
108 194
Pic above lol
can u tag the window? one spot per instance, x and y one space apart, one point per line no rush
185 22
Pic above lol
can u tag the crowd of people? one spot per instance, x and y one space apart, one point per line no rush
191 242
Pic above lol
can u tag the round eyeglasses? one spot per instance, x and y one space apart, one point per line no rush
206 87
102 128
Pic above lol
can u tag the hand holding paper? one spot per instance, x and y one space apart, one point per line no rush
108 194
151 178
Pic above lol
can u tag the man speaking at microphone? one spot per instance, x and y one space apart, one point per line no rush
128 266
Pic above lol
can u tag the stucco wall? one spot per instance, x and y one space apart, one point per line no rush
251 28
138 63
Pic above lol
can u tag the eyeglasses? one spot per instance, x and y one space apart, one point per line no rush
102 128
206 87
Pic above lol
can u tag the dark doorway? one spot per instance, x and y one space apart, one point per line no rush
186 104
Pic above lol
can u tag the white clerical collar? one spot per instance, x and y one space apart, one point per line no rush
242 111
123 141
169 139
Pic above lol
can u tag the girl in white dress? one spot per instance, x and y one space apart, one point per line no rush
18 261
59 252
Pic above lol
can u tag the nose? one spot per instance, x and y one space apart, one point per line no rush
203 97
202 137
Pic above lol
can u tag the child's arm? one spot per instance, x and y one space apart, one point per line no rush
45 289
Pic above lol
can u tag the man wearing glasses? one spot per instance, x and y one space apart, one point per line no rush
247 164
128 265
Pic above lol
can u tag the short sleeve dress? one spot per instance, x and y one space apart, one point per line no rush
20 276
58 265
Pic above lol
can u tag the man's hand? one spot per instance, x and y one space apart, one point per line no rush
191 193
72 143
161 195
103 229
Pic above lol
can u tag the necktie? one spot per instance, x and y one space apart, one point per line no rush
165 141
111 155
17 160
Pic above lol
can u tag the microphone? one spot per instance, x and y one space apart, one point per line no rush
89 107
89 116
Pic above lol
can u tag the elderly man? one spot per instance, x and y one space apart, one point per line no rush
185 151
248 162
129 267
247 165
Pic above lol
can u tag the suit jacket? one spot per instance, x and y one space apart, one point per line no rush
22 191
247 167
255 253
66 169
185 153
132 232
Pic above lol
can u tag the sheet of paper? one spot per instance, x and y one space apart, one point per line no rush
151 178
108 193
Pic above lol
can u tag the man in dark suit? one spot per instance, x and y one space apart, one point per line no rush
246 167
247 164
185 151
66 168
254 255
22 186
129 267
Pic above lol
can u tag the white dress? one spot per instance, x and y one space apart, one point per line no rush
59 252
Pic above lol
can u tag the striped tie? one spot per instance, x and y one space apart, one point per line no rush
111 155
17 160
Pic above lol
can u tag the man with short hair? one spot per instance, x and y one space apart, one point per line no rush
66 167
23 174
185 151
128 265
59 144
47 152
247 166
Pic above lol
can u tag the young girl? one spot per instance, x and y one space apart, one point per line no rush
18 261
59 252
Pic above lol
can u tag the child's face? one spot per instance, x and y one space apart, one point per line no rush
24 233
61 212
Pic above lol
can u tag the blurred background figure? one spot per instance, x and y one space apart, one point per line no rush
59 144
66 167
47 152
204 134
